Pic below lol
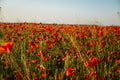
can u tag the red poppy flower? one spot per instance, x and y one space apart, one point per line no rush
94 61
108 59
17 75
100 34
110 40
7 46
118 70
34 61
36 78
70 72
89 51
67 53
5 62
87 77
118 61
2 50
87 64
43 75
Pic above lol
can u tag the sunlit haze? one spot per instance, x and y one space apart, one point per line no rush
62 11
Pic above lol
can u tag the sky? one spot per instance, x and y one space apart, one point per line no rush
101 12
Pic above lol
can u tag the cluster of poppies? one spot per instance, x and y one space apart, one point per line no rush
36 51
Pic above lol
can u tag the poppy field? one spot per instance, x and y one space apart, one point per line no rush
36 51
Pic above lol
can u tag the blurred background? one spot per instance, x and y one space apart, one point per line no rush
101 12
